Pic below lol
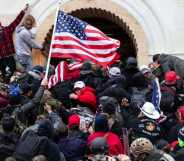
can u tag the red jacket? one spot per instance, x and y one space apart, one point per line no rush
87 97
113 141
6 38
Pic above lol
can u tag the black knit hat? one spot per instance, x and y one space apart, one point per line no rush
131 62
86 68
108 104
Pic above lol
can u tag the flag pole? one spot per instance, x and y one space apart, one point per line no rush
50 50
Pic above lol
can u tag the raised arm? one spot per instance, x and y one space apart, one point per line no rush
18 19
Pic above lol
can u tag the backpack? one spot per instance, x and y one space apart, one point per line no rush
138 96
31 145
7 146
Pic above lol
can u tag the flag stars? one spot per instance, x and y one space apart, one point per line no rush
70 24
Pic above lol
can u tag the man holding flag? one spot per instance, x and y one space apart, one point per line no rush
154 85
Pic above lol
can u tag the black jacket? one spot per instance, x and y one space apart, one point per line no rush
22 111
169 62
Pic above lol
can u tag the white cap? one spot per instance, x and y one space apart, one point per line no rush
79 84
149 110
144 69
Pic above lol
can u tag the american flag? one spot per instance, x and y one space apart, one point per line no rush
74 38
64 71
156 94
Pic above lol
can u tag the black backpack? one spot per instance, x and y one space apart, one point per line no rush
7 146
31 145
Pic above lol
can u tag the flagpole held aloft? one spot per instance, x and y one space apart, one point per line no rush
50 50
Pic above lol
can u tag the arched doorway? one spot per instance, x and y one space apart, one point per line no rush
122 13
110 24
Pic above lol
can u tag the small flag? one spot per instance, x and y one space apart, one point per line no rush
156 94
63 72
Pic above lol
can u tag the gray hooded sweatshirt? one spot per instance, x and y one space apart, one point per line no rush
24 41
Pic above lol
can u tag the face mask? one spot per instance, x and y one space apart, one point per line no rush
181 143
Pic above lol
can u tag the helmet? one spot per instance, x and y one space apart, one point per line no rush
99 146
141 146
114 72
170 77
145 69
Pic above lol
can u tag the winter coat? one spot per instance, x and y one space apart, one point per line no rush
53 153
169 62
115 91
87 98
113 141
92 80
129 74
172 134
73 147
119 81
61 92
8 143
24 41
6 37
23 110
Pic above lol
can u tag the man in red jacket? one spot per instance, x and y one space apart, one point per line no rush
7 62
101 129
84 95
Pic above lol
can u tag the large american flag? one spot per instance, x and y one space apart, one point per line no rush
74 38
156 94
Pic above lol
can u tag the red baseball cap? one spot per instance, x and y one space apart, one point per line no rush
74 120
170 77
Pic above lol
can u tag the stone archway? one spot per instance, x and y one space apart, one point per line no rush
121 16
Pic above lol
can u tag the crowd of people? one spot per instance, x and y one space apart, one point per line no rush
103 114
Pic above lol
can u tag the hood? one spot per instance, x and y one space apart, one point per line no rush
20 28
